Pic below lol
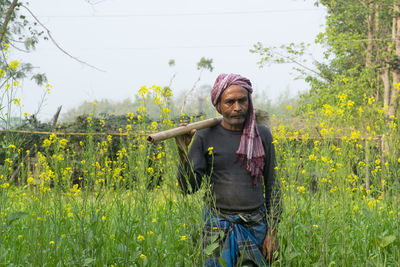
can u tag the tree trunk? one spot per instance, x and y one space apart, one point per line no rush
367 181
370 23
385 77
384 57
384 147
396 69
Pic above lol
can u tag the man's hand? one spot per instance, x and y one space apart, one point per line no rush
183 141
270 245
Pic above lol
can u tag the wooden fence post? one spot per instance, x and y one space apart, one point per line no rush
383 150
367 182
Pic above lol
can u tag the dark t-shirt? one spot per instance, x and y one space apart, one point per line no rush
231 184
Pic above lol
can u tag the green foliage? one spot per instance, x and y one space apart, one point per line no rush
281 54
354 67
324 187
205 63
171 62
14 217
14 31
20 29
22 34
292 54
91 203
328 215
118 108
39 78
282 108
358 54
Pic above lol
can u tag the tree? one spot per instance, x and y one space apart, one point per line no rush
21 34
362 41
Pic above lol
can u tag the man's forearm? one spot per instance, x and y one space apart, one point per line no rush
187 177
182 155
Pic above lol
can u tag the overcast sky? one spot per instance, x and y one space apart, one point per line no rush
132 41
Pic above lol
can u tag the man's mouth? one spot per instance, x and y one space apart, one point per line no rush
237 116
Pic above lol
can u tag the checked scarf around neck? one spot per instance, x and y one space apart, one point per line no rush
250 146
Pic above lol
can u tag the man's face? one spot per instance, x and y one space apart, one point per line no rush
234 106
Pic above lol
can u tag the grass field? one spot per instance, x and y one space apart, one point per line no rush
329 218
340 194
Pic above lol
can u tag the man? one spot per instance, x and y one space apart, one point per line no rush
237 159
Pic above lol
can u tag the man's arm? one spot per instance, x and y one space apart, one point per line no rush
272 188
272 199
192 165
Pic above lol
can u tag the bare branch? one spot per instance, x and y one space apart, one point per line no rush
19 49
94 2
171 80
55 117
57 45
290 59
189 92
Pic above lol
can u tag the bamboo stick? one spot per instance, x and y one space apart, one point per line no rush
160 136
261 118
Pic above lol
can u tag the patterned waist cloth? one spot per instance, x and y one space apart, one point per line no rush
234 239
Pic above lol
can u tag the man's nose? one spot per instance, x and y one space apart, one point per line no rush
237 106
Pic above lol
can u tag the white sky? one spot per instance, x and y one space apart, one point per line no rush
134 40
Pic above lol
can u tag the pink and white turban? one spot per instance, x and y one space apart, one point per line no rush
250 147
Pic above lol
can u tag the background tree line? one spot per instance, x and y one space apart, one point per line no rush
361 63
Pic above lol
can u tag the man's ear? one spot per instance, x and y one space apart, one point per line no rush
218 106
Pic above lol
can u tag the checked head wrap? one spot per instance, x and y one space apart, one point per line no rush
250 147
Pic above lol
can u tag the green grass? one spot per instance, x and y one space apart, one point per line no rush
110 223
332 216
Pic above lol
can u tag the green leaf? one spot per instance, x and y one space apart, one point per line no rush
387 240
222 235
135 254
15 216
292 255
222 262
159 239
214 238
88 261
122 248
39 78
210 249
